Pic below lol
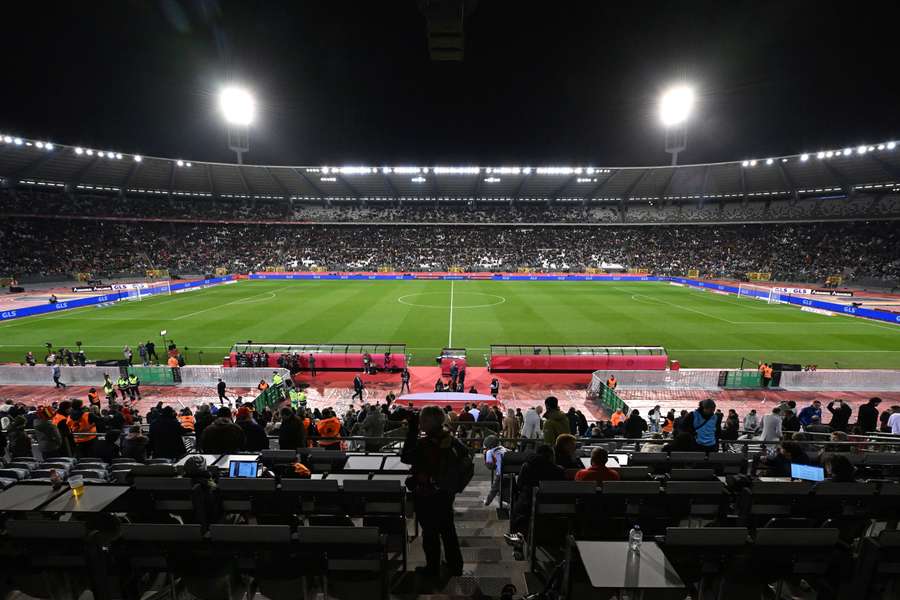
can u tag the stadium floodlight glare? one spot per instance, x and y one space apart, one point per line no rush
418 179
40 145
48 146
769 161
18 141
881 146
675 105
675 108
7 139
746 163
891 145
862 150
829 154
179 162
101 154
238 106
820 155
138 158
805 157
752 163
118 156
89 152
847 151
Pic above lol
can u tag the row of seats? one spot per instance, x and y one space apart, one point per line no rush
53 559
91 469
607 511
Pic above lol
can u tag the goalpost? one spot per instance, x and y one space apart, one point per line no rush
764 293
141 291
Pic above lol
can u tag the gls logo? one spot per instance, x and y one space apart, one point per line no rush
61 305
8 314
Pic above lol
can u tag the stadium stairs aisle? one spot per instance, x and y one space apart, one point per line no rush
489 563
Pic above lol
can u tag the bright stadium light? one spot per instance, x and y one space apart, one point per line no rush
891 145
805 157
238 108
675 105
847 151
138 158
862 150
675 108
237 105
769 161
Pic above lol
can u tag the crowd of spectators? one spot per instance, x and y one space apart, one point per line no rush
790 251
40 202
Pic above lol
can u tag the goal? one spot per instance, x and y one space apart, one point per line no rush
772 295
140 291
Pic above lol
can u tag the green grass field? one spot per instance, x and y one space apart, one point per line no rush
699 328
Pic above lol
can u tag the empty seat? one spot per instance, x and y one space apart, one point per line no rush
709 560
692 474
634 473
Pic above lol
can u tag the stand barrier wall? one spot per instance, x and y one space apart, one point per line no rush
199 376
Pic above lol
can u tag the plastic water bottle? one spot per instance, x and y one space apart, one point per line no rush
635 538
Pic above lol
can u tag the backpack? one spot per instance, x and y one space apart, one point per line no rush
459 468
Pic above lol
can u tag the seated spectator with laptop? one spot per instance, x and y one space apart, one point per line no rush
598 471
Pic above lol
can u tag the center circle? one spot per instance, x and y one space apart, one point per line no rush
456 303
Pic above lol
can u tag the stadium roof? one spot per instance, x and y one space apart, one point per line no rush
844 171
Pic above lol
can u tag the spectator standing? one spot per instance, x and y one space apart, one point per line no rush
772 426
292 432
531 428
255 439
151 351
751 421
166 435
493 459
18 440
635 425
142 352
223 436
48 437
555 423
811 412
441 467
128 354
653 418
840 415
867 415
703 425
80 420
510 428
372 426
894 420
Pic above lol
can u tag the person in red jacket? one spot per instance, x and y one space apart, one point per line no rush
598 471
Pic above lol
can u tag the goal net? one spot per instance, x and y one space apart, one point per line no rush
139 291
764 293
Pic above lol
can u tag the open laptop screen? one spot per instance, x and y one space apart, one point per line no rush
807 472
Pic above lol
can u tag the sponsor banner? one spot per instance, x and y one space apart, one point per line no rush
92 288
130 286
794 291
868 313
835 293
104 299
455 276
818 311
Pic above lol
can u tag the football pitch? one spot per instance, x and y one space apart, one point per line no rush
698 328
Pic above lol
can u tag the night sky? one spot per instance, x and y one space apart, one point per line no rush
551 82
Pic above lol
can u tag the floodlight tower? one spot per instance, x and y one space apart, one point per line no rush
674 110
239 109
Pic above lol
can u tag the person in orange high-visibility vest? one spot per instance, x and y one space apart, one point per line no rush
611 383
329 430
263 385
617 417
93 397
186 419
767 372
80 420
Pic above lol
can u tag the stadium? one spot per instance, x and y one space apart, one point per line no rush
271 376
